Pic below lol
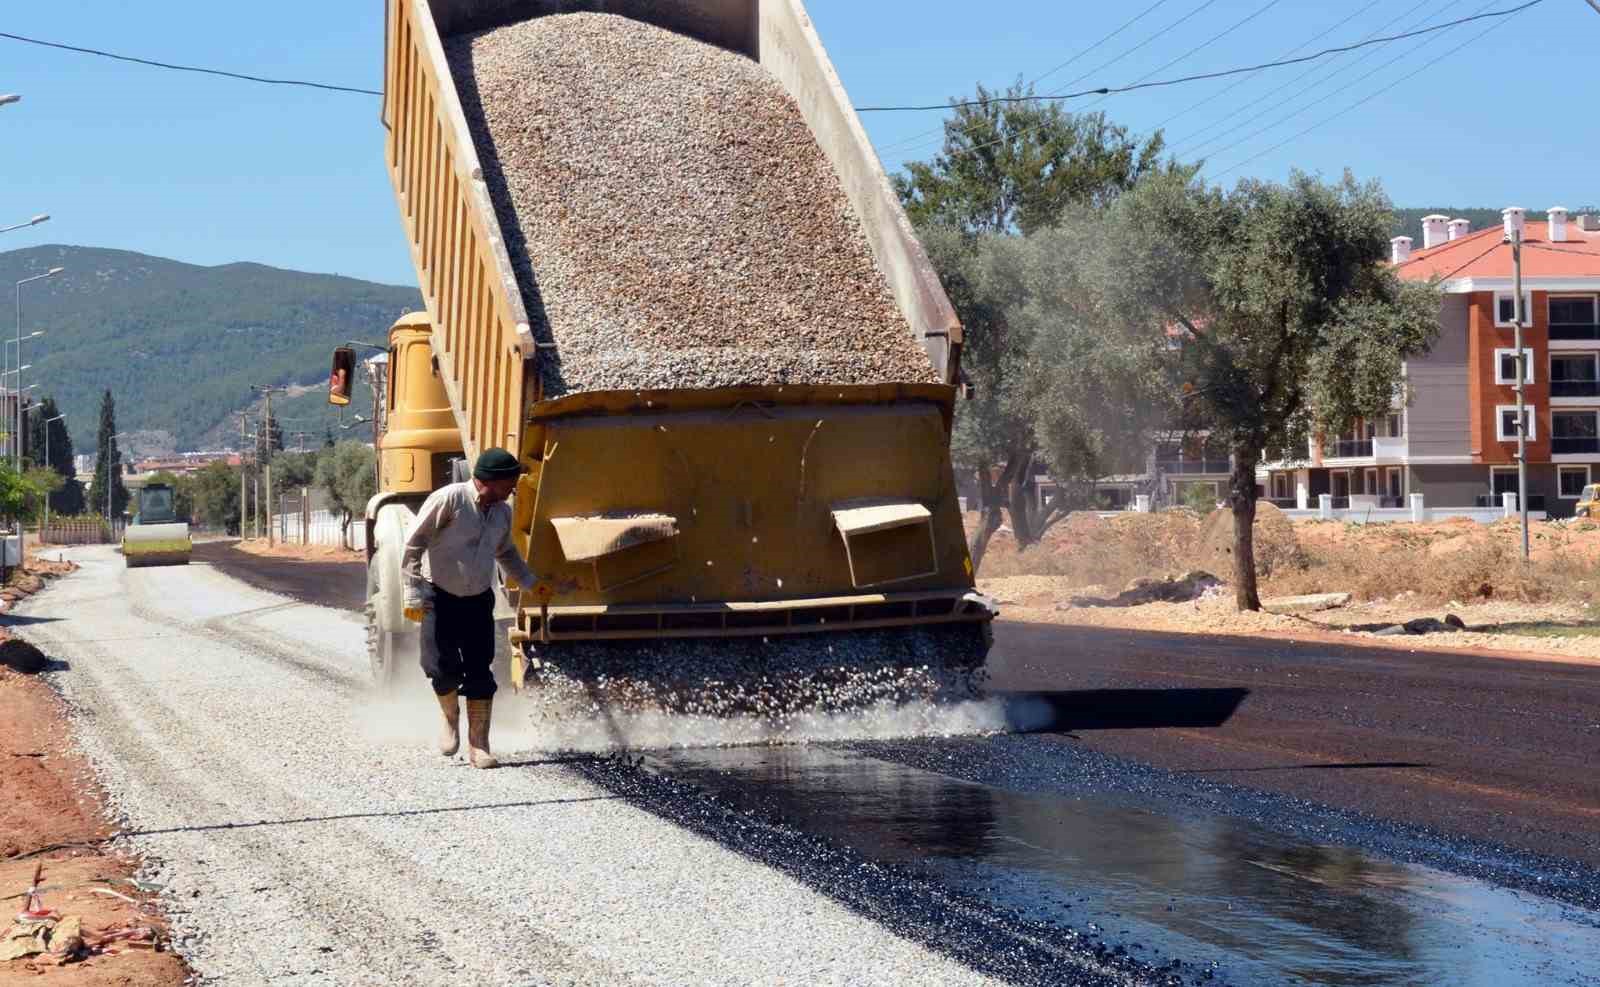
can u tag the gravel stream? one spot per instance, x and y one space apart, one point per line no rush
306 836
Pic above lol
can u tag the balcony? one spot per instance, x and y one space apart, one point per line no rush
1568 445
1182 467
1347 448
1574 388
1572 330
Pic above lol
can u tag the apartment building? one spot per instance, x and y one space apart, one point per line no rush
1453 439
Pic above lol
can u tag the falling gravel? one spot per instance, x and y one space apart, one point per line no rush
671 219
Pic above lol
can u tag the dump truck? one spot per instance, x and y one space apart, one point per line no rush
156 536
719 515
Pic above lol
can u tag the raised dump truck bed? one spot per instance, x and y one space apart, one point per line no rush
696 511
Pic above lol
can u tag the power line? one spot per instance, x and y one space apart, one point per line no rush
918 138
1315 37
1312 70
1200 150
1203 76
1162 32
189 68
1367 99
1493 247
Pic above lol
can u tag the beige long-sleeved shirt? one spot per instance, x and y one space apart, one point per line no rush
455 546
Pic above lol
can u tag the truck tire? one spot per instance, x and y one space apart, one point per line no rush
393 642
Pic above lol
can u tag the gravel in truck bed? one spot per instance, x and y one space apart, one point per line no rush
671 219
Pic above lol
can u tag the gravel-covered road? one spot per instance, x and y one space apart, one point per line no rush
306 836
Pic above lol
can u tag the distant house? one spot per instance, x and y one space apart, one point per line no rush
1454 439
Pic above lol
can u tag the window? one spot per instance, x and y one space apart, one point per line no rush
1396 483
1505 366
1574 375
1503 308
1572 310
1394 427
1570 481
1574 432
1369 482
1506 422
1280 486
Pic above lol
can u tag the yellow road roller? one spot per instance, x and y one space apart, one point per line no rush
156 536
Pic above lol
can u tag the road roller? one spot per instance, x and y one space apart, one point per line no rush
157 536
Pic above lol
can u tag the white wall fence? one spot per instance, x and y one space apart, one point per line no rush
322 529
1365 510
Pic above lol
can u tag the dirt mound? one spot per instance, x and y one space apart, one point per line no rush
1276 546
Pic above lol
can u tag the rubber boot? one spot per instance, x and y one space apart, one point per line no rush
450 735
478 714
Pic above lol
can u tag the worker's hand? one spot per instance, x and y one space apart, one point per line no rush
414 611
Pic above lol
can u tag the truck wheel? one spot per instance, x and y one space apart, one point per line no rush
393 643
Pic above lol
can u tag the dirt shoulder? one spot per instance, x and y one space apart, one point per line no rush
53 825
1491 627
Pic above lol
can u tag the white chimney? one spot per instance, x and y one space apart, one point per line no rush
1433 232
1513 218
1558 224
1460 228
1400 249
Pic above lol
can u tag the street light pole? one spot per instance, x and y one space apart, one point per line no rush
37 277
266 428
43 530
43 217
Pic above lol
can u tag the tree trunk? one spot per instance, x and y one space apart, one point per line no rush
989 517
1242 498
1018 502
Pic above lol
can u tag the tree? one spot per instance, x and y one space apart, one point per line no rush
1010 170
1013 167
66 497
345 475
108 460
214 496
293 470
1055 387
1287 319
21 495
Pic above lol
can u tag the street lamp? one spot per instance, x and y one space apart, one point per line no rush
35 221
43 532
37 277
111 483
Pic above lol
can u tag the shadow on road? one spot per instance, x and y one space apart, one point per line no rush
1123 709
16 620
1344 766
397 814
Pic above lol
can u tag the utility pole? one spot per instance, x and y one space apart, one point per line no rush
1522 377
244 499
266 441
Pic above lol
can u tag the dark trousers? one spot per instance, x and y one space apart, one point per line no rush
458 644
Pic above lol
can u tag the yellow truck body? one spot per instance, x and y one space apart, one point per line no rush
667 513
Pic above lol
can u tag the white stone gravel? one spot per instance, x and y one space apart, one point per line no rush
306 836
672 220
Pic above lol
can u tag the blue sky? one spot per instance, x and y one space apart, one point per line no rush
210 170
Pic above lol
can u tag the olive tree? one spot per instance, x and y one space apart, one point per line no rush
1283 315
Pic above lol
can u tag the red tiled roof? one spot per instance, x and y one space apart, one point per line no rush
1483 255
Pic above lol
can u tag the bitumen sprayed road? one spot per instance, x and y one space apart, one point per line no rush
1185 810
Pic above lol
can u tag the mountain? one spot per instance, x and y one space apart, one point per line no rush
179 345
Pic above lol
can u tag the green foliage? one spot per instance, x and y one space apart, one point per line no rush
108 461
66 497
293 470
214 497
1290 319
1199 498
21 495
1002 211
345 474
1013 167
180 344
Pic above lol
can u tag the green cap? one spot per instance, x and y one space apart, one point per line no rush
496 464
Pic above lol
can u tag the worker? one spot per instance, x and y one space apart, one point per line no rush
462 530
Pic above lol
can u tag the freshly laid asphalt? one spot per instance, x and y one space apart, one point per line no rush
1488 748
1174 808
